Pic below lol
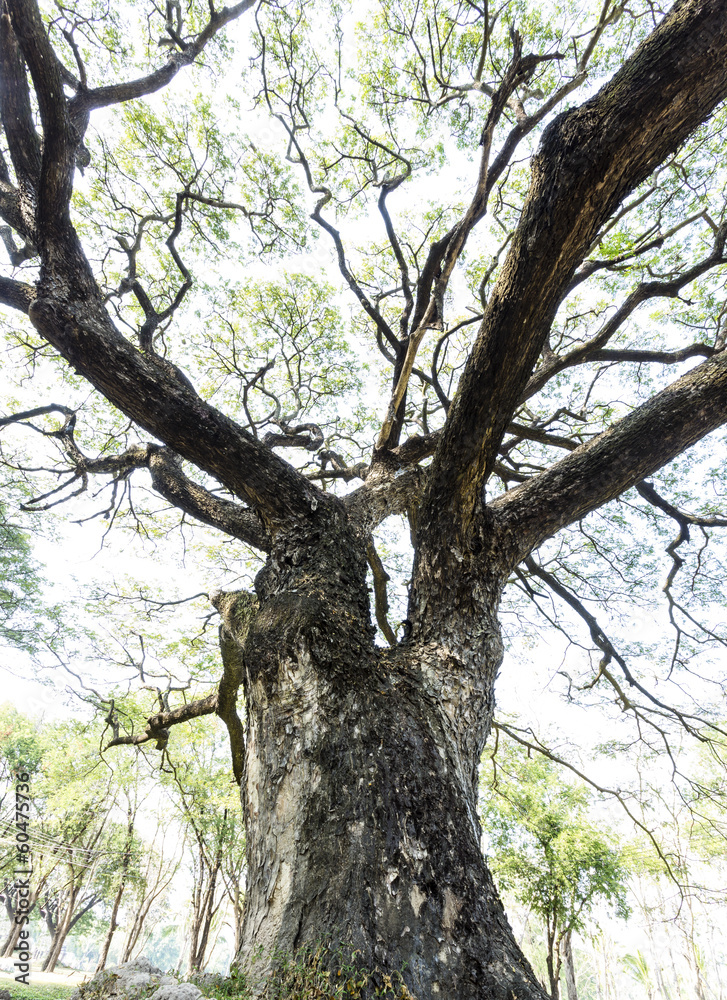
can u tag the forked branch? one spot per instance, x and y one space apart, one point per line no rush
589 160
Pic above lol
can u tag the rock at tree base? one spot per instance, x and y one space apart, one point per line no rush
178 991
131 981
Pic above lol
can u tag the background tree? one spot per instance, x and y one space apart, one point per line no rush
149 892
497 235
24 618
129 851
75 846
546 851
77 796
209 815
21 747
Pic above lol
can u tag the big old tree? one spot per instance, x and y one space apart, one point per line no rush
497 192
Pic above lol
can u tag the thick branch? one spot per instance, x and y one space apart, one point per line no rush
381 598
59 137
430 314
156 395
233 671
634 448
237 611
117 93
157 726
149 390
166 475
383 494
169 480
16 294
589 159
15 110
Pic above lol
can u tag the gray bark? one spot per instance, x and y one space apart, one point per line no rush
569 968
360 764
360 781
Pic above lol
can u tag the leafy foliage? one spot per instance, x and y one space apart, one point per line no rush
546 851
21 593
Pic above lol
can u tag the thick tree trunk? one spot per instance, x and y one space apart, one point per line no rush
360 785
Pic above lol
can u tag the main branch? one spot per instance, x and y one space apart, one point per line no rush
590 158
631 450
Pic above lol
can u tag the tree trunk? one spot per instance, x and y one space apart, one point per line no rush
11 940
112 926
58 940
159 881
65 924
8 945
570 968
552 960
132 939
204 911
119 893
360 785
237 903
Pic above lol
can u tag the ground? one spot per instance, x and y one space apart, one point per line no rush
44 985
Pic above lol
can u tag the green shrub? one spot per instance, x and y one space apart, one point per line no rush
313 974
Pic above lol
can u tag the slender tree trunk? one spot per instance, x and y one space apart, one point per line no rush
159 880
11 940
196 918
208 912
66 923
112 927
119 893
60 934
570 968
237 900
51 922
133 938
360 787
204 911
135 930
552 961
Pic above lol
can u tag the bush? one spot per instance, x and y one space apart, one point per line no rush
316 973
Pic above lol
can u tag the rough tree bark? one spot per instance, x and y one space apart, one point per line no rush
359 767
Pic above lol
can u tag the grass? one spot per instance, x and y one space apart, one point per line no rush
37 991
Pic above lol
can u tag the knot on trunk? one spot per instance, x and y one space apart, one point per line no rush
237 610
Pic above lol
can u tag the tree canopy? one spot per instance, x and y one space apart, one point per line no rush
429 290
